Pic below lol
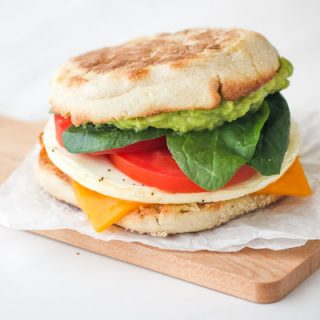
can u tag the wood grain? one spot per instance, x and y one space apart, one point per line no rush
261 276
16 139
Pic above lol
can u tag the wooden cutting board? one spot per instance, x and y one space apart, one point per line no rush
261 276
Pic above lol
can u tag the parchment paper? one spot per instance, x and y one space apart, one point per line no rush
288 223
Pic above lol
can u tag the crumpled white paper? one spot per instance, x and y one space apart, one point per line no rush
286 224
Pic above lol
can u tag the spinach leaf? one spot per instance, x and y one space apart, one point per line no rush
203 157
274 138
211 158
241 136
90 138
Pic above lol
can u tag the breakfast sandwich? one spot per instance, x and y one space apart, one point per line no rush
173 133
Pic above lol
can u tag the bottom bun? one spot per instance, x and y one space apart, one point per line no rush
158 219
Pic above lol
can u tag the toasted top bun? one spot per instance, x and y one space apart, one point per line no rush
186 70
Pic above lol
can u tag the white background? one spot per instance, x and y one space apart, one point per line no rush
43 279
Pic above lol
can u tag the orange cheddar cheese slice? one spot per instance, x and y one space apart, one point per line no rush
292 183
102 211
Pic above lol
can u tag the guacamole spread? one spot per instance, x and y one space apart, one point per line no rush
197 120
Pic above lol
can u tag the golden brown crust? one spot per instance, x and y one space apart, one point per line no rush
232 90
163 73
163 220
135 57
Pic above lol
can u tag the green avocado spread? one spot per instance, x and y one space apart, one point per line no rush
189 120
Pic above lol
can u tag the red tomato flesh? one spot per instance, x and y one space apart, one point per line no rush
158 169
61 124
243 174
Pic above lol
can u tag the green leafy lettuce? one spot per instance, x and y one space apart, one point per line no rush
211 158
274 139
90 138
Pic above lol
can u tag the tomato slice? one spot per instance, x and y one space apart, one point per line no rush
243 174
62 124
158 169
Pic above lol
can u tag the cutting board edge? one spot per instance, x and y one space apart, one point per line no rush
290 266
263 292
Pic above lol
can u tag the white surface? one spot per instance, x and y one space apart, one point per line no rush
43 279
